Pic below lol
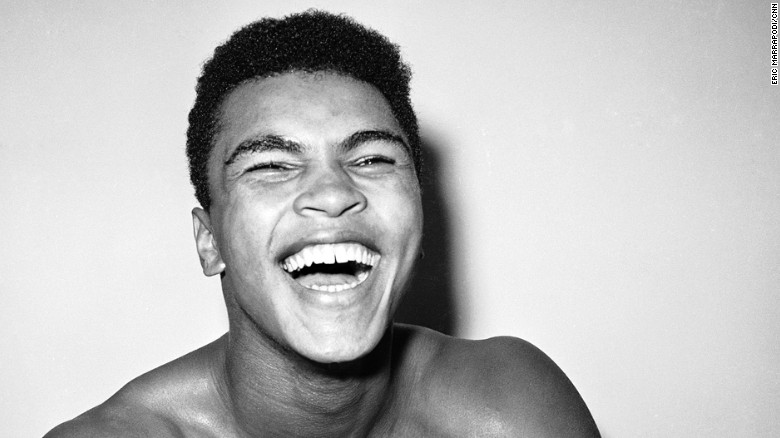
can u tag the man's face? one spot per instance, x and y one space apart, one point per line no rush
316 217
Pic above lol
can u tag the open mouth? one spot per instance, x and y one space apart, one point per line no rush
331 267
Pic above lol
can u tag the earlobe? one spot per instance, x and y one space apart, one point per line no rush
210 259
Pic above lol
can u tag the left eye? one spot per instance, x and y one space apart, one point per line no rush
374 160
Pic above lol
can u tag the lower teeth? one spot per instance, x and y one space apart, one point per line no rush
361 277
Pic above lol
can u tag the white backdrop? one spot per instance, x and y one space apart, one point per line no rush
609 176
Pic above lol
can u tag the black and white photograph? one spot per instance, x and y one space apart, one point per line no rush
390 219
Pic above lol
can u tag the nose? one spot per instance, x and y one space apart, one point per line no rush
330 192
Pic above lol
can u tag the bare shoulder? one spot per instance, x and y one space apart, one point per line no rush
501 386
115 418
170 401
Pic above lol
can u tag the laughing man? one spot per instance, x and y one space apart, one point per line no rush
304 154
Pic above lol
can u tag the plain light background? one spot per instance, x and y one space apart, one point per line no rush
610 171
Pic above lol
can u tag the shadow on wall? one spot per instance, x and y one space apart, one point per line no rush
430 299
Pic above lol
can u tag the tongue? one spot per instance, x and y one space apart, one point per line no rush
321 279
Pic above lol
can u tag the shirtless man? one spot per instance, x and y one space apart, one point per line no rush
304 154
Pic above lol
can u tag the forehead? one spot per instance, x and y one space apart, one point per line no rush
309 107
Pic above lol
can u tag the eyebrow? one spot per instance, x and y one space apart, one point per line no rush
264 144
361 137
276 143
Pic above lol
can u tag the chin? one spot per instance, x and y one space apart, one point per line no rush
341 347
336 356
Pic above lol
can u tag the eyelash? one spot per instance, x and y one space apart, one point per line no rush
273 165
375 159
365 161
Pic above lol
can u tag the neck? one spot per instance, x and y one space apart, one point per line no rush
272 390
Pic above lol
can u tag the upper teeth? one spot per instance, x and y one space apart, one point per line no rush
330 253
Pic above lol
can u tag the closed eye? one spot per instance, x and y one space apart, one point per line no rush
270 165
272 171
374 160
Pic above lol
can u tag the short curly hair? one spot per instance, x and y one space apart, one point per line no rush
311 41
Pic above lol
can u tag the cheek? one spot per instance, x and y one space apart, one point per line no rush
413 200
402 208
247 230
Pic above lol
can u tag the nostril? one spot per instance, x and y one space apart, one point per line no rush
355 206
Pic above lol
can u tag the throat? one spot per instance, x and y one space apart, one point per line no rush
343 399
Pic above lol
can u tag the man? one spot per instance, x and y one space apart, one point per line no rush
305 157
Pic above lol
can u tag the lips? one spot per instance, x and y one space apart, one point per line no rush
331 267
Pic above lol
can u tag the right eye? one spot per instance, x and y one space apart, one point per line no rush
268 166
271 171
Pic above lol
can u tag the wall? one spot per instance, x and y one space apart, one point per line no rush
608 183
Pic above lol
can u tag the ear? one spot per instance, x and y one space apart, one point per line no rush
210 259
